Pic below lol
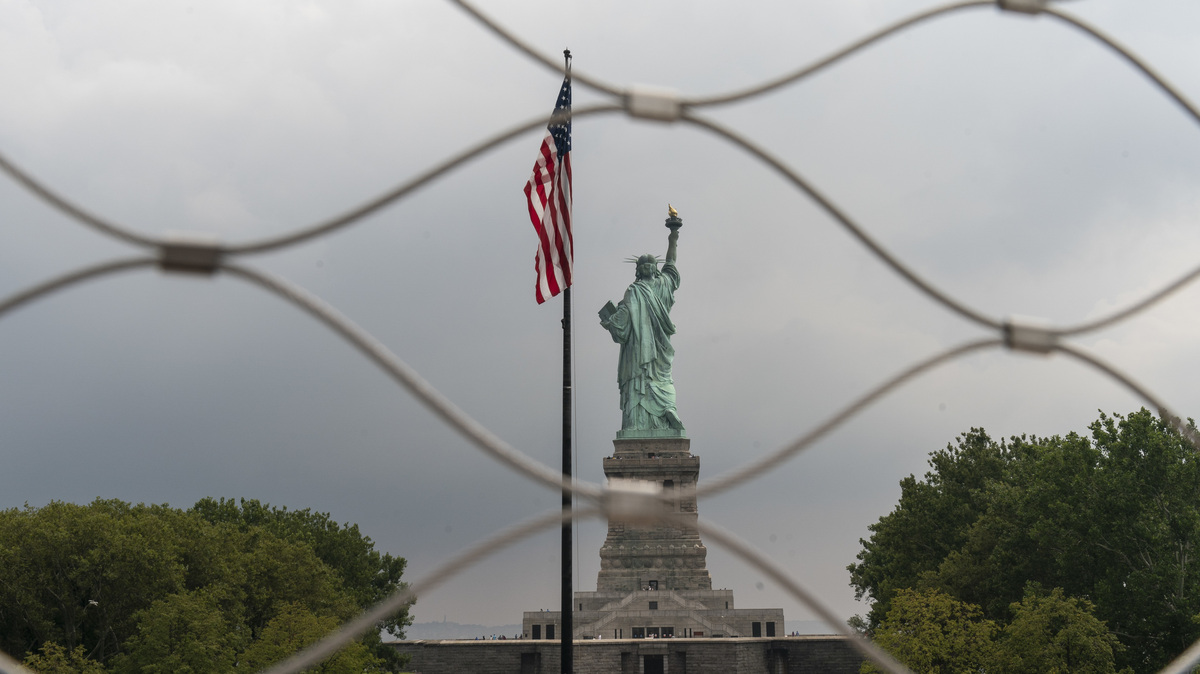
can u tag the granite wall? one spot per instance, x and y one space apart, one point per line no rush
786 655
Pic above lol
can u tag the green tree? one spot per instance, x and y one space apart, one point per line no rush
54 659
366 574
293 628
1055 634
1112 518
933 633
75 575
157 589
932 520
183 633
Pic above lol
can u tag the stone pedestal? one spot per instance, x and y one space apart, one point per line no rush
660 557
654 580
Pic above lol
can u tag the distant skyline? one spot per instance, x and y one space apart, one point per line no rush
1011 161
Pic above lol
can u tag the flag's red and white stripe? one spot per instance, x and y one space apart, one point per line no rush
548 193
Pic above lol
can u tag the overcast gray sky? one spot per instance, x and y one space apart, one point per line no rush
1009 160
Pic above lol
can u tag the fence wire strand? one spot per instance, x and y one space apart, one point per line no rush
433 399
501 451
1131 57
845 221
68 208
763 563
411 186
41 290
10 666
820 64
1137 307
1138 389
756 468
552 63
1185 663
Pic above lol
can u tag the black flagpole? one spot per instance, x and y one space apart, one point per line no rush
567 628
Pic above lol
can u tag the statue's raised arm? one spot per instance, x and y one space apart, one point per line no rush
641 324
674 223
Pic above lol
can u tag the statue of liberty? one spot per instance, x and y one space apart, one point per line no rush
641 324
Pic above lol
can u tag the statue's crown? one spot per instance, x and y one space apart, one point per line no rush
643 258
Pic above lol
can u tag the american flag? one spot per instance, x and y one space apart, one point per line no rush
549 195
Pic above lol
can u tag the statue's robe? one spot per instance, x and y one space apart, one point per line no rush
642 326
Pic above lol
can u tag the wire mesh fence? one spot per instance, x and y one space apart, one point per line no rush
202 253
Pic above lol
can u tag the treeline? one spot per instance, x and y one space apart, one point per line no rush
223 586
1045 538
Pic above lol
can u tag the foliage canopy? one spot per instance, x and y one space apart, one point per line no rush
121 588
1111 519
934 633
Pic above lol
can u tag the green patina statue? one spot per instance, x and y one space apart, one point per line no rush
641 324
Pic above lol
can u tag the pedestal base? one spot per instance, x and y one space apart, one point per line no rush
653 433
667 557
651 448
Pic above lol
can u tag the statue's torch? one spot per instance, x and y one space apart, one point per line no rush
674 222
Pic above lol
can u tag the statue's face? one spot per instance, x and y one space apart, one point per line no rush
646 268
